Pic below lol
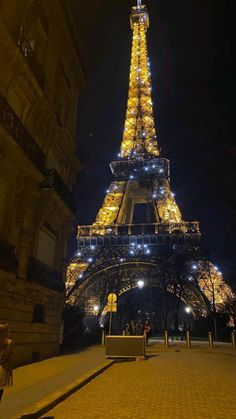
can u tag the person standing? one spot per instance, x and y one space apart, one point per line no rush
147 330
139 329
131 328
6 377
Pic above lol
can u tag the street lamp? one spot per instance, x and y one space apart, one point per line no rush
188 309
96 309
140 284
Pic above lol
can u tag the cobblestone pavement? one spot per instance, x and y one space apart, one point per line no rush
181 383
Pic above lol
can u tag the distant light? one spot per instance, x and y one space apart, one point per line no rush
90 260
194 267
121 260
147 251
154 195
140 283
216 268
132 244
131 252
190 278
79 254
131 177
107 191
92 247
81 275
187 309
161 170
96 309
146 168
145 245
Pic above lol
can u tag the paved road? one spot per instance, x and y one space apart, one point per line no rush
180 383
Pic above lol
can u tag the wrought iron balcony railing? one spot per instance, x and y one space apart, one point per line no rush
139 229
44 275
134 168
24 46
8 259
54 181
90 237
14 127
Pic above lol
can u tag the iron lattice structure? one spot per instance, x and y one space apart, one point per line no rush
113 252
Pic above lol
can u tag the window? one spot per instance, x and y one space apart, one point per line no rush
46 247
38 314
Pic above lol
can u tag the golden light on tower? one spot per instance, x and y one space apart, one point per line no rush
141 177
107 215
139 135
139 139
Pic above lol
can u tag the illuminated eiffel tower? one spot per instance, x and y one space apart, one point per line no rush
114 252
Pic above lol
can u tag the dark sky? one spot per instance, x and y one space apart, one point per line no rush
192 52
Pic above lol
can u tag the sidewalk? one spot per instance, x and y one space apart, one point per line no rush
36 381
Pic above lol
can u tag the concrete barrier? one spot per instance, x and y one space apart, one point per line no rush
125 346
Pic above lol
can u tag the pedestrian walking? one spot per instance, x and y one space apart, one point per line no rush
147 330
6 343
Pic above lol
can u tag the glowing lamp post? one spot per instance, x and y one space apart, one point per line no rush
96 309
140 284
188 311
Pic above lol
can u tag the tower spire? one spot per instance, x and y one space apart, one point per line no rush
139 4
139 137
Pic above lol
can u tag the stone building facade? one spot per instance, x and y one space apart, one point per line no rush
41 75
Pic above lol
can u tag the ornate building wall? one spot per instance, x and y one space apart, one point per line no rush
40 78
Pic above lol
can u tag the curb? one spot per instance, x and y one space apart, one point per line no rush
43 406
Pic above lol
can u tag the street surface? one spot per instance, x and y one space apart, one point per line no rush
181 383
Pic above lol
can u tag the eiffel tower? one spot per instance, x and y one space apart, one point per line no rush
115 252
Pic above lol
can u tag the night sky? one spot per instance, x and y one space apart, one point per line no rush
192 48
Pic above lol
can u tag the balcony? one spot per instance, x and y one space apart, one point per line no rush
8 260
125 234
14 127
54 181
24 46
138 229
44 275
